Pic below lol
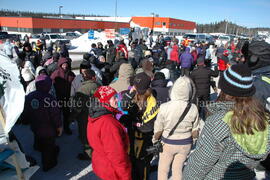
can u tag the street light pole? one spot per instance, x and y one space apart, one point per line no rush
60 10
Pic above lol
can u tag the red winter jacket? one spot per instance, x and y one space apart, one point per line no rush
222 65
175 53
110 144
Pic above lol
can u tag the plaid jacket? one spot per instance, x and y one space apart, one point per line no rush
217 155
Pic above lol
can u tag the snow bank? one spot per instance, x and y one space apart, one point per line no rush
83 44
267 40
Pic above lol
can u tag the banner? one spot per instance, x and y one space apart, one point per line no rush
110 33
12 94
124 31
91 34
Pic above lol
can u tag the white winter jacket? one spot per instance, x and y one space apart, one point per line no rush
171 111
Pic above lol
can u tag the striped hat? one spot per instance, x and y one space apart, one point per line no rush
237 81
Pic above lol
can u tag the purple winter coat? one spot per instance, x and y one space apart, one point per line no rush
43 115
186 59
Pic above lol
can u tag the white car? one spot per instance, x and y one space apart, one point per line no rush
56 39
222 40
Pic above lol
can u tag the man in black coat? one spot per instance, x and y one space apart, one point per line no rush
159 88
201 76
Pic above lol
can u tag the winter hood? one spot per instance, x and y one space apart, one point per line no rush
39 68
125 71
62 61
187 50
182 89
96 110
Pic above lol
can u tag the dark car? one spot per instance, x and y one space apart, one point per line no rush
167 40
14 37
3 36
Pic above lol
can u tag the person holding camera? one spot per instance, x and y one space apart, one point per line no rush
176 125
142 110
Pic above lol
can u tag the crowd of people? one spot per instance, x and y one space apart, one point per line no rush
127 100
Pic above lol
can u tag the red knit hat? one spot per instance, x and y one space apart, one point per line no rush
104 93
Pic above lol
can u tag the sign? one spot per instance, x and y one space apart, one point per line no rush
110 33
91 34
11 94
124 31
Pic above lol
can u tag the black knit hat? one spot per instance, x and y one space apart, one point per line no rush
85 65
237 81
142 82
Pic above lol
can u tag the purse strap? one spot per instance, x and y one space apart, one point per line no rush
180 119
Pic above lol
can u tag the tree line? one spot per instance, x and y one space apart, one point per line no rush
10 13
228 28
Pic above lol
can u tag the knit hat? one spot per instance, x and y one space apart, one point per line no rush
43 83
85 65
237 81
104 93
142 82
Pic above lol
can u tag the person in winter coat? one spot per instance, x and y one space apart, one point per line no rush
108 138
201 76
186 61
45 121
51 67
258 53
85 66
126 72
174 56
194 54
178 145
32 86
159 87
80 111
8 49
236 137
30 55
110 53
122 48
62 79
63 50
142 111
223 61
119 60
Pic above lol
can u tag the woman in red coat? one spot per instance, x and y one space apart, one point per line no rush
175 53
108 138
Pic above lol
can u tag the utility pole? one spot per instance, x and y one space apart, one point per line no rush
60 11
115 15
226 26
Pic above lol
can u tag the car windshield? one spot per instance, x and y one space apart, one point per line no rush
201 36
35 36
189 36
56 36
224 38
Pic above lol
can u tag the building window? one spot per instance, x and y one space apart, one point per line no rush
164 23
61 30
47 30
157 23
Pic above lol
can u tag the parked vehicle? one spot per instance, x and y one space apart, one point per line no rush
198 38
56 39
3 37
222 40
71 35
